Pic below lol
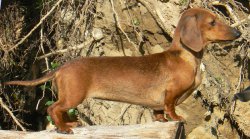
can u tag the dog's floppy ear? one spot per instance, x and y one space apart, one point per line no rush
190 34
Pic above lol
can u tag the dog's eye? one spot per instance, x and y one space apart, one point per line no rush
213 23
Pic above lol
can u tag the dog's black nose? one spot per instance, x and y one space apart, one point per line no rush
236 33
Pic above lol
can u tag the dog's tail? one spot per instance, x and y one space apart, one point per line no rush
35 82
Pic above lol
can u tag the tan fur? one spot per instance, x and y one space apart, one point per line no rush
159 81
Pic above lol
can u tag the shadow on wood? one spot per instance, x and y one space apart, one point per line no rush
155 130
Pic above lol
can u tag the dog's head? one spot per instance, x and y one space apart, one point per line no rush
197 27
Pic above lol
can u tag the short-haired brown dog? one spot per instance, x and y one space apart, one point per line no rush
159 81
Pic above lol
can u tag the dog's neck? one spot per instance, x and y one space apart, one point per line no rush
178 45
198 55
185 52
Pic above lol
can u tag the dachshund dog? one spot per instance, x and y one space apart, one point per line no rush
159 81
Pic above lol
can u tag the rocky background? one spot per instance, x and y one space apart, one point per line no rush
39 36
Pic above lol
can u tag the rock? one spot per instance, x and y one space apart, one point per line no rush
67 15
149 24
160 38
201 133
60 44
97 34
156 49
114 52
112 113
242 116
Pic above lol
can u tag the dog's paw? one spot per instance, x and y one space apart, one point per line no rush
74 124
179 118
161 120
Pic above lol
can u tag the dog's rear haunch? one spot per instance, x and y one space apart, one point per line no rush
159 81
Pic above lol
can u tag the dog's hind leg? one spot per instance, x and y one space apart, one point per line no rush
70 94
56 111
71 121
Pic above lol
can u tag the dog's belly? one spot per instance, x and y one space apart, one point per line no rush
149 97
154 101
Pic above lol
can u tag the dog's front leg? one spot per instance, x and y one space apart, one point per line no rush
170 101
170 110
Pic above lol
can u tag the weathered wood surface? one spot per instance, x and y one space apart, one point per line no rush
155 130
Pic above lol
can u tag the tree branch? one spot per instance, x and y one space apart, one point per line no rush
40 22
4 106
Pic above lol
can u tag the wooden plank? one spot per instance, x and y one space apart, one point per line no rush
155 130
